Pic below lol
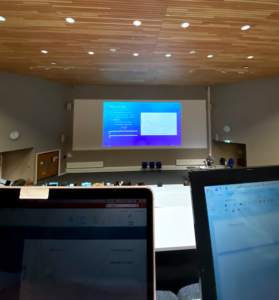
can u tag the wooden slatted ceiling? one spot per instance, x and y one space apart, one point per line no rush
101 25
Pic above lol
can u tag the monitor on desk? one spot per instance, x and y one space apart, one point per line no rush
79 243
236 222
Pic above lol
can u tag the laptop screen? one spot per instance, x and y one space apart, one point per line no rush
244 222
71 250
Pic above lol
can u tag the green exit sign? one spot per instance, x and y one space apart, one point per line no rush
227 141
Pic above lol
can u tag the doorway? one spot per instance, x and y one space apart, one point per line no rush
48 164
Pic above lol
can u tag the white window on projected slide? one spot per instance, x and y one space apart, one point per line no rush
158 124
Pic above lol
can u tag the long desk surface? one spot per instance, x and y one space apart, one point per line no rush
174 225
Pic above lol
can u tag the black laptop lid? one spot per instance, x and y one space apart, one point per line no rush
236 222
79 243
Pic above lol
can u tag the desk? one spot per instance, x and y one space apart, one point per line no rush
174 226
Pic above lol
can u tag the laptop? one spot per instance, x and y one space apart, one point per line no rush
76 243
236 215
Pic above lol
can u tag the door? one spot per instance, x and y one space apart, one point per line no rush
47 165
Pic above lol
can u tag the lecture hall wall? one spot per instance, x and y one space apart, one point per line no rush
36 108
119 158
251 109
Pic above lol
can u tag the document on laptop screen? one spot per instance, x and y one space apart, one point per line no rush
74 253
244 222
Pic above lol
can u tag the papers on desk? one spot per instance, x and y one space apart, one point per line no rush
172 195
174 229
174 226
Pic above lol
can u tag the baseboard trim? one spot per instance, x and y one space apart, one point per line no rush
121 169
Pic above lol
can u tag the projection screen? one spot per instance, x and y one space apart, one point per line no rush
110 124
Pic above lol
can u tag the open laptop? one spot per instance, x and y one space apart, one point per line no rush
76 243
236 216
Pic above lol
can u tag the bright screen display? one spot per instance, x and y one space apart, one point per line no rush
134 124
244 222
157 124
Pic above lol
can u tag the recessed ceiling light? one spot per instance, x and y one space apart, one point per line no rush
44 51
249 57
2 19
137 23
70 20
168 55
185 25
168 15
31 68
136 54
47 68
102 69
159 70
53 63
252 72
209 56
245 67
90 52
240 72
112 50
191 71
135 70
245 27
224 72
66 68
192 52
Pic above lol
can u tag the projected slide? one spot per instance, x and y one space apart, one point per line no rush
134 124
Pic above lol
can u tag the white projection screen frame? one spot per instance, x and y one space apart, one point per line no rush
88 125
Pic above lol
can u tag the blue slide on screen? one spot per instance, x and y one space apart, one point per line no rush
136 124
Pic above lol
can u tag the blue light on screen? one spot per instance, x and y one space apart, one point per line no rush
136 124
244 221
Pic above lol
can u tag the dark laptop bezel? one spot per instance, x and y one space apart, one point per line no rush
200 179
9 198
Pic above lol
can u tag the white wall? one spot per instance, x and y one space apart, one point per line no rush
252 110
35 108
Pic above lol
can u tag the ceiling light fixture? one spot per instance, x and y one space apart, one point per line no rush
224 72
192 52
47 68
240 72
159 71
44 51
135 70
2 19
249 57
70 20
53 63
90 52
102 69
137 23
245 27
31 68
252 72
168 55
185 25
245 67
112 50
209 56
191 71
136 54
66 68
